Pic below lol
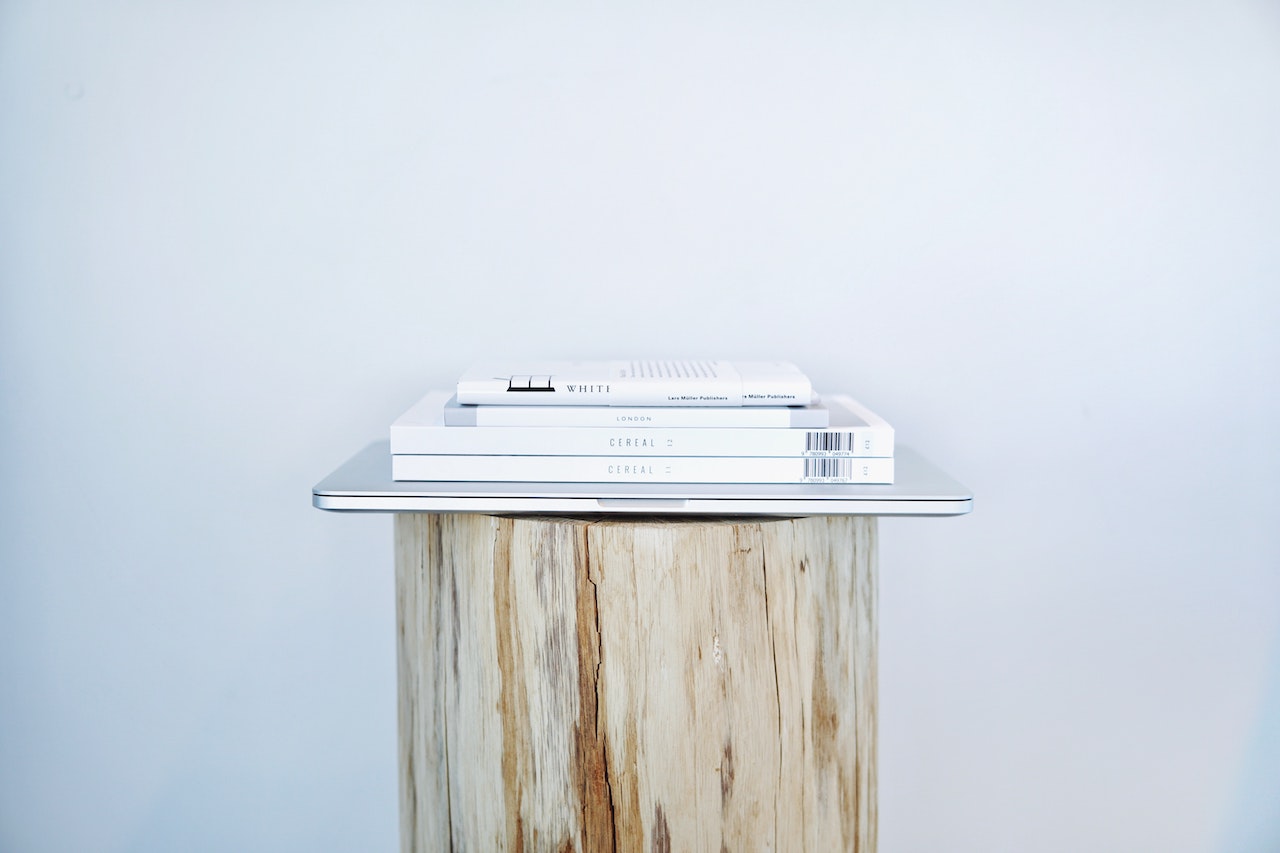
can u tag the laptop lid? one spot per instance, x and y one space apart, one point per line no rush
364 484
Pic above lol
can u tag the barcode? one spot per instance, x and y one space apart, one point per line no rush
824 468
828 442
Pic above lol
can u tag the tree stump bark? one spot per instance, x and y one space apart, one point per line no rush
636 684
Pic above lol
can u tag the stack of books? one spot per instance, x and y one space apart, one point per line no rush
640 422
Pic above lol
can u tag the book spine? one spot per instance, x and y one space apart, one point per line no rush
594 441
621 469
710 383
780 417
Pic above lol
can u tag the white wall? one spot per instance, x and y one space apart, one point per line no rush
236 239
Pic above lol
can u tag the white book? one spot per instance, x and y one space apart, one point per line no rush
649 469
854 431
812 416
636 383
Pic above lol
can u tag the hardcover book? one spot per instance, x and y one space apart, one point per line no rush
854 431
636 383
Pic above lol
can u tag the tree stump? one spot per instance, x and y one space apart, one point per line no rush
636 684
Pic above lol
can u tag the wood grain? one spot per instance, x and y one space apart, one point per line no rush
637 684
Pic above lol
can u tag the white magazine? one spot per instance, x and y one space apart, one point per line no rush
854 431
655 469
812 416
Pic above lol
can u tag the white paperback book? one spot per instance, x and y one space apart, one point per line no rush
812 416
636 383
854 431
649 469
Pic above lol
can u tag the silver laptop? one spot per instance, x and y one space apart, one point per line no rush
364 484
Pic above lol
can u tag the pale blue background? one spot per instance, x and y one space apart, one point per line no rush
237 239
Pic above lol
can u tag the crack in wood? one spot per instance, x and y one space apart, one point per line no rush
777 689
601 735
